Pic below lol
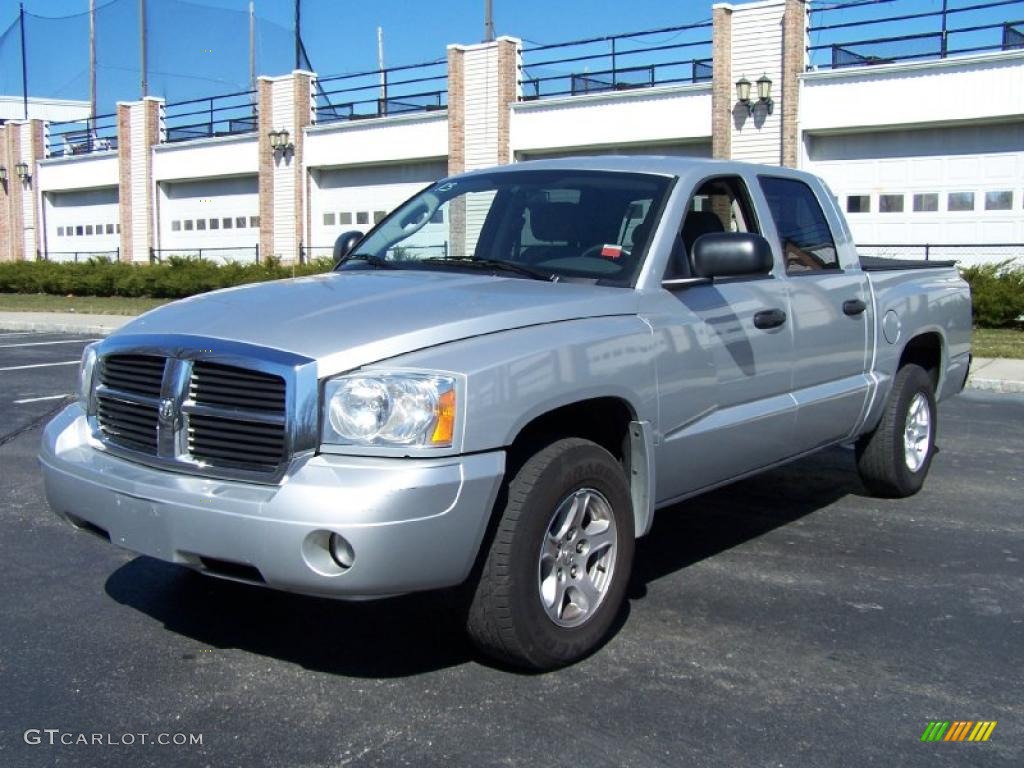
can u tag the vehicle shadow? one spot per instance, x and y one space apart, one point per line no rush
414 634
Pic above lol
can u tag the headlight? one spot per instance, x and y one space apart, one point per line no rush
390 409
85 371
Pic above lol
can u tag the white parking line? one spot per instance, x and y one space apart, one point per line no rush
38 365
45 343
40 399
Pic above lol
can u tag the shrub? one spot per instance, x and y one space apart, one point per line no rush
997 291
174 279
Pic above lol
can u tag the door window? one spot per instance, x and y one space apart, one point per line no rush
804 234
718 205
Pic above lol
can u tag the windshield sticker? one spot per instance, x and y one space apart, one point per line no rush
611 251
447 186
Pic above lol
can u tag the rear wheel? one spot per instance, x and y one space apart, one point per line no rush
555 576
894 459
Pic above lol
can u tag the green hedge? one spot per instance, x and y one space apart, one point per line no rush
175 279
997 291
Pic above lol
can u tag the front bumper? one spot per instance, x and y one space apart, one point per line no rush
413 524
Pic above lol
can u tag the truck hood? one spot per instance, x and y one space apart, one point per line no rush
347 319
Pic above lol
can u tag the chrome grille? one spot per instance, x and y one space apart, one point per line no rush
236 417
124 418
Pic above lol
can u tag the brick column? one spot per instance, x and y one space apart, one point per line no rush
20 142
286 103
721 83
139 127
10 225
794 62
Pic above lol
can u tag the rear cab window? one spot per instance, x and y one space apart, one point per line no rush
805 238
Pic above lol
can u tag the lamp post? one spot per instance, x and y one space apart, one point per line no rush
279 141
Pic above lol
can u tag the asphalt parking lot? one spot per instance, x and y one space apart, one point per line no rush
789 620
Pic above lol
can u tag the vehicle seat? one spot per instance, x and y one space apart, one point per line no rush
697 223
557 226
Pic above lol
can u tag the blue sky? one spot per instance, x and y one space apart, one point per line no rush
200 49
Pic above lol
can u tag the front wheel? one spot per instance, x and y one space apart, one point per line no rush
556 573
894 459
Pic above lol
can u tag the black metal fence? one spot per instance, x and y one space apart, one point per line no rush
663 56
113 254
969 253
381 92
849 34
224 115
246 253
81 137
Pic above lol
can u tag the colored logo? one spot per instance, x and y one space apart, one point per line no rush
958 730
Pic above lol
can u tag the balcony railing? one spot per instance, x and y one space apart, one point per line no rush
81 137
617 62
382 92
853 34
226 115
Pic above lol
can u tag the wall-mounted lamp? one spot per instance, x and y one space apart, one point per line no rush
21 169
3 174
764 94
279 141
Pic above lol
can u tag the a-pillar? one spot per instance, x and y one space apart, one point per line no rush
286 104
140 125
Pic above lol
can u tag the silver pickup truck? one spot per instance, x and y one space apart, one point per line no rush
500 384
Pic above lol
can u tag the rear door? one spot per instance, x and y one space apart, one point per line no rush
831 315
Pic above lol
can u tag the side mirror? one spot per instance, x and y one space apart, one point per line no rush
345 243
731 254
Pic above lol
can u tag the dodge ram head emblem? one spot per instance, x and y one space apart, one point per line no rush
167 411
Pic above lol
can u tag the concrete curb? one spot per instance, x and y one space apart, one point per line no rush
995 385
96 325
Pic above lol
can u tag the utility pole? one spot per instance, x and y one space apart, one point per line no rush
24 60
92 65
143 82
252 45
298 34
488 21
380 64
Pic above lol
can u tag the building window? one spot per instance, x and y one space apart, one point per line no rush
118 227
188 225
960 201
110 229
214 223
239 222
858 203
890 203
176 226
200 223
60 231
88 229
344 217
328 219
925 202
254 221
999 201
227 222
378 216
79 230
362 217
99 229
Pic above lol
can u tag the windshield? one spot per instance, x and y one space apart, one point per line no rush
590 225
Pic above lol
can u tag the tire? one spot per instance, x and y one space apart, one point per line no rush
523 612
885 462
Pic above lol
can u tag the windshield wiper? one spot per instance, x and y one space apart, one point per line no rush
494 264
369 258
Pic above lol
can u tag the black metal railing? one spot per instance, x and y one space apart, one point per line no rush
224 115
382 92
854 34
663 56
990 252
111 254
219 254
81 137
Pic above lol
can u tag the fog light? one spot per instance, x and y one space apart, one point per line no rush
341 551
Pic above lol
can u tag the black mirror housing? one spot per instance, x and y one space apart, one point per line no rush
731 254
345 243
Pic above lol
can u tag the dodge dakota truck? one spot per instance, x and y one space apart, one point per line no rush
500 384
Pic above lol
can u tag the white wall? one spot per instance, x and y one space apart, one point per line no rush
206 158
378 140
757 51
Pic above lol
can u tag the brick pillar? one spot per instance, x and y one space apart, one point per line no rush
20 142
33 148
794 62
483 83
9 192
721 83
756 43
286 103
139 127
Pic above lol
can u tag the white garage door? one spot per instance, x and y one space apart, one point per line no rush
218 216
357 198
81 224
939 185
